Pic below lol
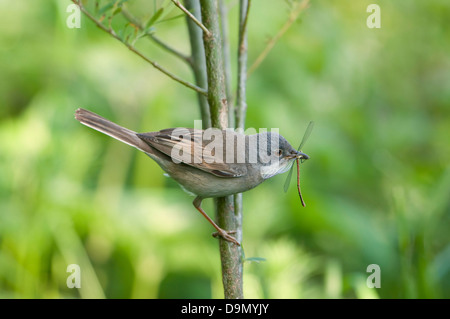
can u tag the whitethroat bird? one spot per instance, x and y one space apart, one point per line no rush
188 156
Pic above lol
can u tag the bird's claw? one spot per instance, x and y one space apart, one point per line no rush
226 235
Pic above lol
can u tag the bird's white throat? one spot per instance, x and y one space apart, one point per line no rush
275 168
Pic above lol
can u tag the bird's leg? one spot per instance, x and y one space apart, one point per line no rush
220 232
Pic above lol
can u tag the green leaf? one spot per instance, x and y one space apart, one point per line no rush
154 18
144 33
118 10
106 7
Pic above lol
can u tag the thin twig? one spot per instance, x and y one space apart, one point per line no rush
292 18
133 49
158 41
168 48
190 15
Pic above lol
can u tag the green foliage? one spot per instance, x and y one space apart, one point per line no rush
376 185
154 17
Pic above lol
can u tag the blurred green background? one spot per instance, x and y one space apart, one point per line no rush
377 185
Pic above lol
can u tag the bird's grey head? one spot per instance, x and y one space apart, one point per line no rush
275 154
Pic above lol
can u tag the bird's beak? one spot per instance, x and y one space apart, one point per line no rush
296 154
302 156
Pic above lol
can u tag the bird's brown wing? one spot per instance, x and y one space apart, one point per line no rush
191 147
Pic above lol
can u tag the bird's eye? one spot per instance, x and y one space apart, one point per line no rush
278 152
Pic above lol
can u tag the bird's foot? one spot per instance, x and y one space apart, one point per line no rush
226 235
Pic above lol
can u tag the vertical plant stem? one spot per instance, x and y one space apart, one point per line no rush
230 254
214 64
198 58
241 103
241 98
223 13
